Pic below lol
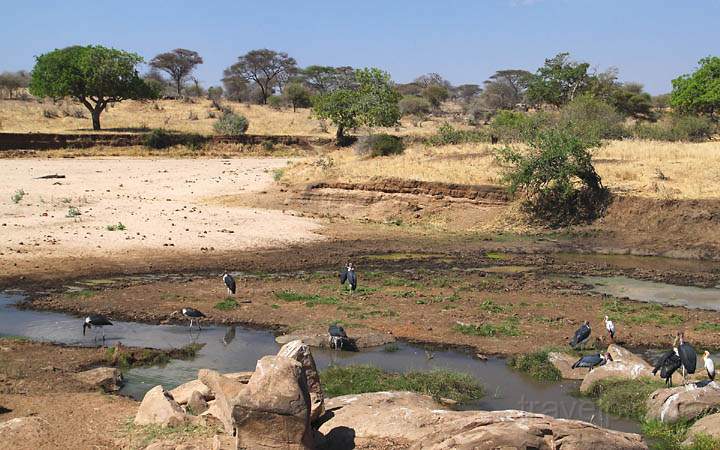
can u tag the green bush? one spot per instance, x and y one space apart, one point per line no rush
674 128
536 365
592 119
557 177
158 139
624 398
413 105
380 145
514 126
448 135
275 101
460 387
231 124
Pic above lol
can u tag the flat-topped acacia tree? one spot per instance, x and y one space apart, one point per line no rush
93 75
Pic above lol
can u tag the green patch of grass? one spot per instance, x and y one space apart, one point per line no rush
391 347
491 306
18 196
83 293
664 436
362 315
118 227
310 300
404 294
457 386
227 304
142 435
624 398
275 306
496 256
73 212
508 327
12 337
128 358
278 174
707 326
536 365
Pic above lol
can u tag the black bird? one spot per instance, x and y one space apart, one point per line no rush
229 282
592 361
667 365
193 314
688 356
338 337
98 321
348 274
582 334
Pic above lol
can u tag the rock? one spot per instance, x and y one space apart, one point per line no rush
182 393
242 377
108 379
708 425
159 408
300 352
418 419
197 404
361 338
23 432
170 445
625 364
225 390
563 362
276 398
683 402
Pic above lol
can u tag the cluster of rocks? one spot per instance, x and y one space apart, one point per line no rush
281 405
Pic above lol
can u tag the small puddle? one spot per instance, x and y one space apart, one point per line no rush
505 389
653 292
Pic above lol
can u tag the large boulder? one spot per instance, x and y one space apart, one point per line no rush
182 393
23 432
225 390
708 425
197 404
625 365
564 362
159 408
108 379
683 402
273 411
426 424
300 352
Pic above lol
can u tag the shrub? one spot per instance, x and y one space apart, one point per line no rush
18 195
448 135
624 398
158 139
676 128
231 124
536 365
379 145
413 105
275 101
592 119
557 177
514 126
460 387
50 113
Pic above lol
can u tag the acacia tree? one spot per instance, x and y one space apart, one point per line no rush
297 95
323 79
373 103
12 82
558 81
178 63
93 75
266 68
698 92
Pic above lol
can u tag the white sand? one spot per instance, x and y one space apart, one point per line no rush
160 201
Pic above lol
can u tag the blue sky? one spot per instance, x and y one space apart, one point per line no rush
466 41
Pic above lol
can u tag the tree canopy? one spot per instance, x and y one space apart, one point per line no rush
558 81
178 63
699 92
266 68
93 75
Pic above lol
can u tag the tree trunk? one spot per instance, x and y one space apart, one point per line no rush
96 118
178 84
340 134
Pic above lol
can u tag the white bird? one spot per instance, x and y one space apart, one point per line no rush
709 365
610 327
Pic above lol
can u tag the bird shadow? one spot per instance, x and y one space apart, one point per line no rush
4 410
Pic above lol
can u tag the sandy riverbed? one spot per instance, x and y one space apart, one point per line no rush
161 202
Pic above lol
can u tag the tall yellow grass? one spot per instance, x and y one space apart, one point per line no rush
642 168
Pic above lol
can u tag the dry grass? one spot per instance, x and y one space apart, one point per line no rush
690 171
28 116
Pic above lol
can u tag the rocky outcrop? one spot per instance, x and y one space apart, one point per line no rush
20 431
225 390
625 365
708 426
159 408
300 352
197 404
683 402
423 422
273 410
108 379
182 393
564 362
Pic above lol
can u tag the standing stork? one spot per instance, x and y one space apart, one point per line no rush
667 365
229 282
98 321
610 327
709 365
194 315
348 274
592 361
582 335
337 336
688 356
